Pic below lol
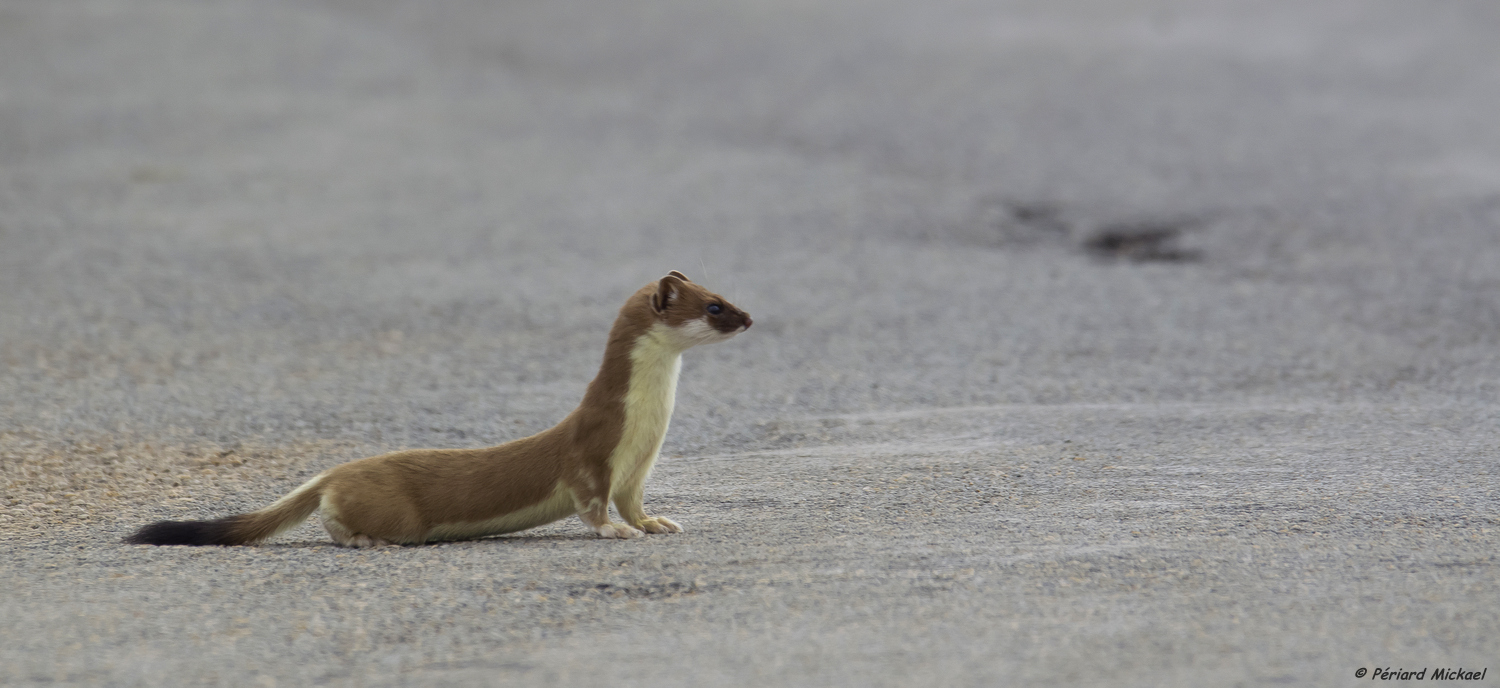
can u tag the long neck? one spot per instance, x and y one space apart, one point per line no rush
608 389
634 392
655 361
636 356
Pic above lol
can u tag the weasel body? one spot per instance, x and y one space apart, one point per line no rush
601 453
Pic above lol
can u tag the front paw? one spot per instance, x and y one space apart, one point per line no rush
658 525
618 530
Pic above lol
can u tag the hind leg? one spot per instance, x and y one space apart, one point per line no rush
347 538
366 541
369 516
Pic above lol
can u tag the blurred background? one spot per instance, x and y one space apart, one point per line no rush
414 221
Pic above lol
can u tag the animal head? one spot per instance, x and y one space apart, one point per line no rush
694 315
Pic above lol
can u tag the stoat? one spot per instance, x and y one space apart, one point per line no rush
601 453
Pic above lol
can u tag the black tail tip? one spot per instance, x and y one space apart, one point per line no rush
182 533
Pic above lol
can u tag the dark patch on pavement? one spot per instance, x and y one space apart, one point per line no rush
1143 241
639 591
1032 222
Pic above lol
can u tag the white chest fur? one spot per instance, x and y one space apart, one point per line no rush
655 362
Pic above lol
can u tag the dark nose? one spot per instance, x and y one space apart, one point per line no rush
748 321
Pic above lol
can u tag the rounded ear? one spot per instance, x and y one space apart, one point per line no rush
666 291
679 275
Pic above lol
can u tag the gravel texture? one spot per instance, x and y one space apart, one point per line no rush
1096 343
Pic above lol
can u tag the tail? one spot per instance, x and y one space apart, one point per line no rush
244 529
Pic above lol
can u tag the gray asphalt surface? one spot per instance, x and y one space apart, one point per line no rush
1096 343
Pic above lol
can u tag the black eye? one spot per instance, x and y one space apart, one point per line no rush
715 309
